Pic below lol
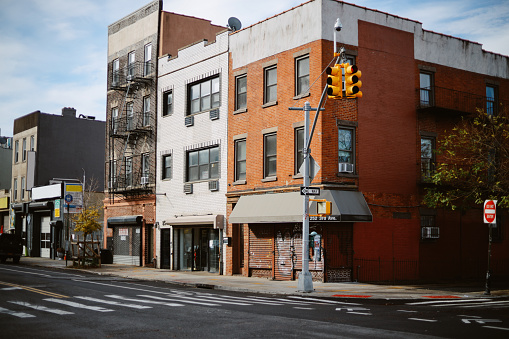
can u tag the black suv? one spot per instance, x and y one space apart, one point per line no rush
11 246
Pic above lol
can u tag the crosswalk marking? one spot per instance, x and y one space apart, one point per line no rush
111 302
41 308
250 300
16 314
322 300
179 300
78 305
488 303
446 302
153 302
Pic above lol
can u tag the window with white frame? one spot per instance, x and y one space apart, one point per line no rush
131 65
167 164
240 159
146 111
302 75
130 116
270 85
203 164
113 175
32 143
24 150
241 92
204 95
270 155
129 171
22 188
167 103
115 72
114 119
145 168
147 69
16 151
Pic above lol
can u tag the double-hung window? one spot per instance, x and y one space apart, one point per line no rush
130 116
147 65
24 150
491 92
22 188
114 119
204 95
15 193
346 150
129 171
302 75
241 92
299 146
427 157
113 175
203 164
167 103
270 85
426 89
146 111
240 159
270 155
32 143
145 168
115 73
16 151
131 65
167 166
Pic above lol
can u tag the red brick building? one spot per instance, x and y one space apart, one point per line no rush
372 151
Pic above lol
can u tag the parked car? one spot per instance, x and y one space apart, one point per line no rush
11 246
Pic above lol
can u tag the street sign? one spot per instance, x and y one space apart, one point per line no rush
68 198
490 211
309 190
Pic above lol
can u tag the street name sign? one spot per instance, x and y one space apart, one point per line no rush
309 190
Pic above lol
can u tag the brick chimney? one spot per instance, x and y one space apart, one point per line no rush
69 112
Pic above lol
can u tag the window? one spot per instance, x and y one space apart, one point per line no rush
490 100
204 95
16 151
145 168
426 89
427 157
114 119
130 116
22 188
147 69
131 58
270 155
428 227
24 151
129 171
345 145
15 194
32 143
241 92
302 75
270 82
113 174
240 159
167 166
115 73
167 103
146 111
299 146
203 164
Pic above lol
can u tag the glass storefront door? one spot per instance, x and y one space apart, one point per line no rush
197 249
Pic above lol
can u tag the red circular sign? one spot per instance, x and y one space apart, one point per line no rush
490 211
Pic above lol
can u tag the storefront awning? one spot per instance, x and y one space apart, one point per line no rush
126 220
217 220
347 206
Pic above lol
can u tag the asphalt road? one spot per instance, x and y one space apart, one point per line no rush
47 303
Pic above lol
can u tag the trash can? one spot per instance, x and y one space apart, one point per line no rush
106 256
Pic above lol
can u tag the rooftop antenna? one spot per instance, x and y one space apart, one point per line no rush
234 24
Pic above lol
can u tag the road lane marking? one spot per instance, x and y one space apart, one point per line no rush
488 303
42 308
35 290
447 301
303 308
407 311
178 300
321 300
497 328
153 302
111 302
16 314
428 320
78 305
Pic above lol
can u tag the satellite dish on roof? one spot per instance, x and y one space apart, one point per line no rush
234 24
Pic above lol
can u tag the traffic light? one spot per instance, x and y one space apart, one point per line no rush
334 81
352 81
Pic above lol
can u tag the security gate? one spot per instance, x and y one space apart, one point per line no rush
127 245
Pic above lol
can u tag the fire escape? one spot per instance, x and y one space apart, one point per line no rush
131 144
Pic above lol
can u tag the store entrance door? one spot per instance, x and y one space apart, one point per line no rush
197 249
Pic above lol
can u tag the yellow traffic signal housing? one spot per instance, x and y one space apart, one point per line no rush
324 207
334 81
352 81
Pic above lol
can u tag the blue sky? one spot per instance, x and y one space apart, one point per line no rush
53 53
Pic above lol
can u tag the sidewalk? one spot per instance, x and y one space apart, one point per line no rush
266 286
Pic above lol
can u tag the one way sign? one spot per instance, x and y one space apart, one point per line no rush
309 190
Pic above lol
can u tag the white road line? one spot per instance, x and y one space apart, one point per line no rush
78 305
428 320
447 301
488 303
42 308
303 308
153 302
214 299
407 311
111 302
241 299
21 271
10 288
16 314
497 328
179 300
359 313
321 300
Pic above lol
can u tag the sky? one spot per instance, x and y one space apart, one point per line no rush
53 53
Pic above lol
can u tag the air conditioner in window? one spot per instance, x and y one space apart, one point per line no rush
430 232
188 188
144 181
345 167
214 185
